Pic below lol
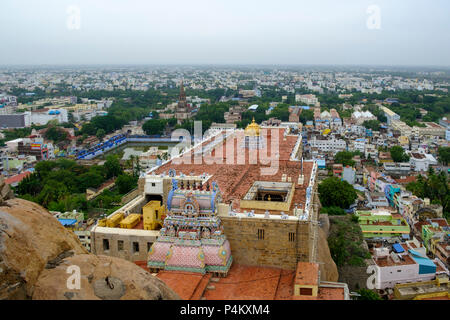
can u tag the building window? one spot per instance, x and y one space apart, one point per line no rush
120 245
105 244
135 247
260 234
291 236
306 291
153 184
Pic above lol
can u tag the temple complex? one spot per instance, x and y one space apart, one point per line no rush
242 197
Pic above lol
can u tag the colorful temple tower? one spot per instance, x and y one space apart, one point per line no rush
192 237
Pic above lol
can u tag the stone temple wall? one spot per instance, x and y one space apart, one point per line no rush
284 243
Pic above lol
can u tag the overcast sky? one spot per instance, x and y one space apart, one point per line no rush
411 32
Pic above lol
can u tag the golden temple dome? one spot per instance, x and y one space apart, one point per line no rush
252 129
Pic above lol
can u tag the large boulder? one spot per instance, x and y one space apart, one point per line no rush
30 239
100 277
36 250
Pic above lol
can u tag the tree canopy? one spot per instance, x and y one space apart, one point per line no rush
154 126
444 155
55 134
398 154
435 187
344 158
372 124
334 192
366 294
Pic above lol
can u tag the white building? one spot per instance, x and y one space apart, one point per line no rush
327 145
403 266
359 144
360 117
390 115
43 116
421 161
349 174
309 99
371 150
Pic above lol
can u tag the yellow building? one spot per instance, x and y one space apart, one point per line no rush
154 214
114 220
130 221
403 140
80 107
437 289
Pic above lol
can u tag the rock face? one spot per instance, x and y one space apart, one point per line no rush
35 250
327 267
30 237
101 277
5 191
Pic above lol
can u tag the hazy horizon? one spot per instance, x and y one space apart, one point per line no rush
225 33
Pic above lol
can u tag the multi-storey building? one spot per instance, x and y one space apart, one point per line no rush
328 145
308 99
382 224
404 264
390 115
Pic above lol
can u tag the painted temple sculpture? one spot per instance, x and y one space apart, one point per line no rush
192 237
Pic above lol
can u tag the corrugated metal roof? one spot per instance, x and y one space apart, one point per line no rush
398 248
67 222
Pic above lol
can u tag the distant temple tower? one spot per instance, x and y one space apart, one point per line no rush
183 111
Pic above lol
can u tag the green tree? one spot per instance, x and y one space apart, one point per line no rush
333 211
88 129
435 187
154 126
444 155
100 134
90 179
334 192
306 115
112 166
344 158
398 154
55 134
346 242
126 183
372 124
366 294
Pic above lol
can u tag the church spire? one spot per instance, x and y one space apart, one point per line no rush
182 93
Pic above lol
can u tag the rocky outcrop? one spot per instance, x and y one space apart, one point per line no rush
5 191
100 278
30 238
35 250
327 267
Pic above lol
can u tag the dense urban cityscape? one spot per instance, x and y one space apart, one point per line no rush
224 181
96 148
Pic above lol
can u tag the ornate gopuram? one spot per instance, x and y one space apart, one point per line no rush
192 237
